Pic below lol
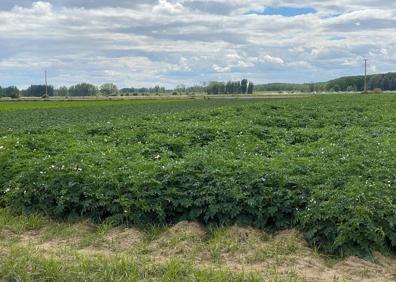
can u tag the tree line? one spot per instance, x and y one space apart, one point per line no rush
78 90
384 82
231 87
11 91
110 89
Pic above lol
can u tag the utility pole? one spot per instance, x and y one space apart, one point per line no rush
365 75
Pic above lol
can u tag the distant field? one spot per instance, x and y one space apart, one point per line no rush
59 102
70 101
25 105
324 165
260 94
25 116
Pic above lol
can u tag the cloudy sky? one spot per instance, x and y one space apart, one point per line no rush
169 42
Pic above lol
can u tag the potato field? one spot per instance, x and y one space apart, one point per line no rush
325 165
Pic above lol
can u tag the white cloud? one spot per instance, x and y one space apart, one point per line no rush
145 42
271 60
166 7
42 7
220 69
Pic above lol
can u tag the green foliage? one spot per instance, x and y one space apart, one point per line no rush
142 91
357 220
215 87
109 89
289 87
250 88
244 86
23 264
62 91
38 91
11 92
83 89
231 87
21 223
324 165
386 82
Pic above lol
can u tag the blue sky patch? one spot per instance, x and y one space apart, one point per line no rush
284 11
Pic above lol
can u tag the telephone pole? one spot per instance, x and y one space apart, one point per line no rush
365 75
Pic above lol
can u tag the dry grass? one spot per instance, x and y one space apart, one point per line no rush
247 253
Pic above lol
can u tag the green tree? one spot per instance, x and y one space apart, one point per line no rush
38 91
250 88
229 87
195 89
351 88
12 92
393 84
62 91
386 84
244 86
215 87
109 89
83 89
157 89
238 89
181 88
